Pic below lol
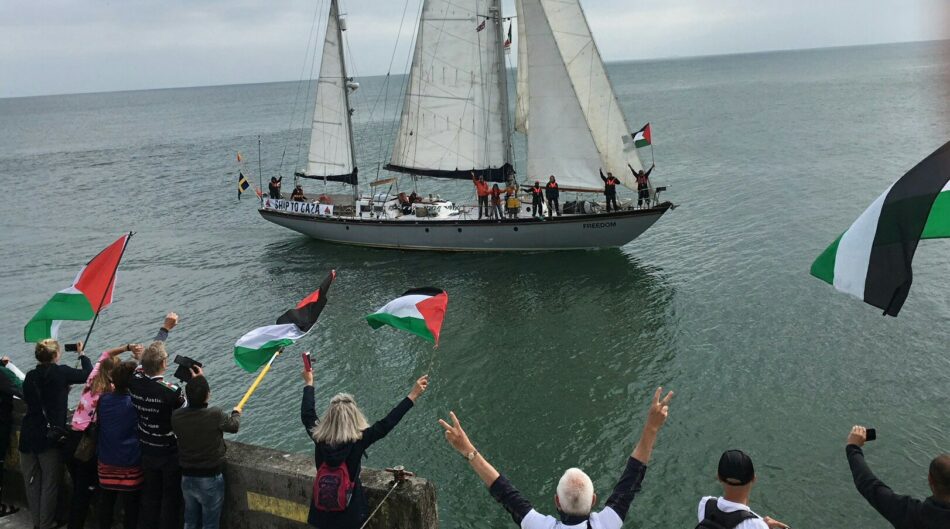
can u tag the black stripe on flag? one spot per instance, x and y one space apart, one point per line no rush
305 314
424 291
903 217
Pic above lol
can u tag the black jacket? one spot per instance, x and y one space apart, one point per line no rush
357 511
155 400
46 388
200 434
903 512
610 184
551 191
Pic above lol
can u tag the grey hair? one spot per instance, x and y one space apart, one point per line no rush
342 423
575 492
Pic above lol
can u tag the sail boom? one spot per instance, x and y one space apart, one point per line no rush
349 178
491 174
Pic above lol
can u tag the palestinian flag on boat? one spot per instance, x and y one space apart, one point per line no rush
872 259
90 292
255 349
643 137
419 311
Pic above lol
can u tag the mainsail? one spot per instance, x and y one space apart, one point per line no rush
455 114
576 124
331 143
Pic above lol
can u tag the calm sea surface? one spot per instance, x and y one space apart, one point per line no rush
549 358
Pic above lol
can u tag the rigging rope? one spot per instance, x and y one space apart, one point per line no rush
303 68
313 62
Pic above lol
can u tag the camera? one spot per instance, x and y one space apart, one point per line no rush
184 372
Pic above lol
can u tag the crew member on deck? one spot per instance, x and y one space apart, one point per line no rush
274 187
610 189
643 185
495 212
405 204
537 199
297 195
552 193
481 188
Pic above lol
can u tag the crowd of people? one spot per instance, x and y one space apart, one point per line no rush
137 438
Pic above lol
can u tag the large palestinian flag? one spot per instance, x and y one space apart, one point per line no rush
419 311
90 292
872 259
256 348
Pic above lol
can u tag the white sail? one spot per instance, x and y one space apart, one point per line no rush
455 114
330 146
521 102
577 125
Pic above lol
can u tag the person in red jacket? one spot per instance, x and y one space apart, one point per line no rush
481 188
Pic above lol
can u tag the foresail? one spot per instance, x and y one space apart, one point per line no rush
454 117
331 155
577 124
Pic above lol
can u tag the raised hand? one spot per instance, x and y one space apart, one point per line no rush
858 435
419 387
171 320
773 523
456 436
659 409
307 376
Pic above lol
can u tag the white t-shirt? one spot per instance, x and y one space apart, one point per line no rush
729 506
605 519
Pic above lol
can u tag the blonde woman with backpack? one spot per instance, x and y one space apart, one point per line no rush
341 438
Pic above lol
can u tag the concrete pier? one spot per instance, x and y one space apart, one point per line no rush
270 489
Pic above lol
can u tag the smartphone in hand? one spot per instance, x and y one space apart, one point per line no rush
71 347
870 434
307 365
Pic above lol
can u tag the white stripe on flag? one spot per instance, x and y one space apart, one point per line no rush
260 336
404 307
854 250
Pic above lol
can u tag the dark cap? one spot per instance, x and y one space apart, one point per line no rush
735 468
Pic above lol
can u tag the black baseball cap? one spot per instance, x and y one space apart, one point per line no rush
735 468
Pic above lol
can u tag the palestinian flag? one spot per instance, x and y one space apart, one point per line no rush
508 39
419 311
872 259
643 137
257 347
90 292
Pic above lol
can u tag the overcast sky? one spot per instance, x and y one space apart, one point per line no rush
67 46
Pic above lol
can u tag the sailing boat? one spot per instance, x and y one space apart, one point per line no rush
455 123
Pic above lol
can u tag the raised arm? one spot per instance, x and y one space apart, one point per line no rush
650 170
498 486
632 170
171 320
385 425
630 481
77 376
892 506
308 410
602 177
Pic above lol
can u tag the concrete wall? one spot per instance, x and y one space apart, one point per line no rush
271 489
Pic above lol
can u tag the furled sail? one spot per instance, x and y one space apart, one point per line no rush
331 145
455 114
576 124
521 101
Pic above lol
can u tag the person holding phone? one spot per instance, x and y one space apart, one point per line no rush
43 430
903 512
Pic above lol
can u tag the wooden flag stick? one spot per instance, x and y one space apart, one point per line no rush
257 382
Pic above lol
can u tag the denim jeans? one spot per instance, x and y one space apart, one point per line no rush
203 500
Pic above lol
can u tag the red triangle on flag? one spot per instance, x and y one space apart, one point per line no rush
97 279
433 312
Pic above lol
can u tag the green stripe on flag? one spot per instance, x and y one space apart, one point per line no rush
414 325
824 267
938 222
62 306
641 143
251 360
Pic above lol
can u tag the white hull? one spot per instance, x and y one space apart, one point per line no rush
569 232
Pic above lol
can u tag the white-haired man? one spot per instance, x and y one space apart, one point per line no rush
575 498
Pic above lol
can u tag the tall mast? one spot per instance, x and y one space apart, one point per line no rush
346 95
495 11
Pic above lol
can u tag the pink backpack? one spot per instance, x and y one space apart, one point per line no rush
332 488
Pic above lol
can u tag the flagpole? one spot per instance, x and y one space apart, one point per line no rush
107 290
260 170
257 382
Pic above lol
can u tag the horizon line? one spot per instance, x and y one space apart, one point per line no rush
618 61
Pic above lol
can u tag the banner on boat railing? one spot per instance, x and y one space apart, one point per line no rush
301 208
